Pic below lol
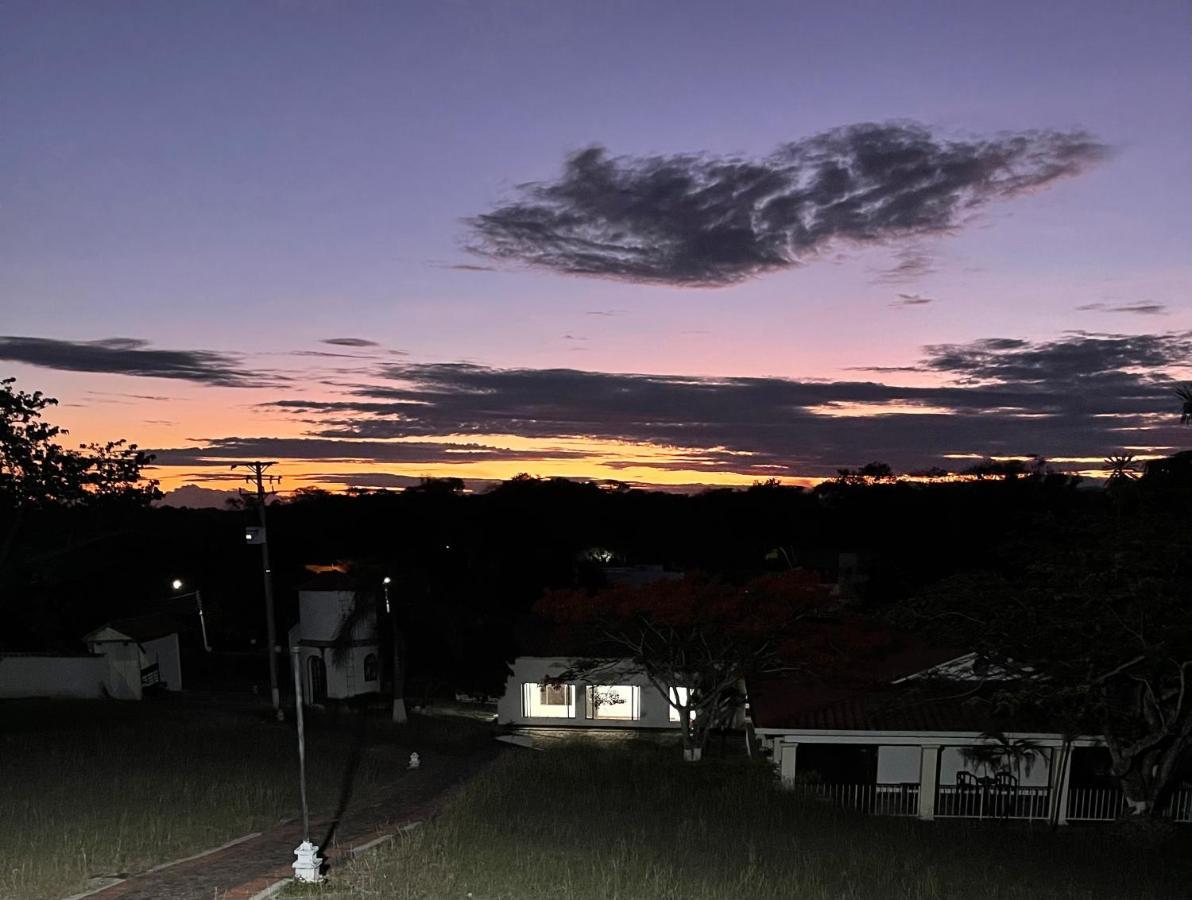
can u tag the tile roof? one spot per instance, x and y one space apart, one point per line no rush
938 707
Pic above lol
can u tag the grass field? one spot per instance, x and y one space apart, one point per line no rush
633 821
97 788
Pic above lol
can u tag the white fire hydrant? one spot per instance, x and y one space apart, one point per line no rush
415 761
308 865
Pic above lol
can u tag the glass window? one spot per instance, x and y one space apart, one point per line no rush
614 701
554 701
370 667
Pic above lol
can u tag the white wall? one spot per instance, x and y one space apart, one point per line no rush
53 676
655 710
123 670
344 680
898 765
320 614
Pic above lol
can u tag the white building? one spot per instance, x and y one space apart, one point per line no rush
142 653
336 635
623 697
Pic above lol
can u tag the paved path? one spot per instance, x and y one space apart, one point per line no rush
241 871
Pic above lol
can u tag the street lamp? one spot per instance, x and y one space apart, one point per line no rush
177 584
385 582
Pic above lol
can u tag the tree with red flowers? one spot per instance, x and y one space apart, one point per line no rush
699 633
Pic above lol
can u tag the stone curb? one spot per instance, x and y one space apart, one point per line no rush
165 865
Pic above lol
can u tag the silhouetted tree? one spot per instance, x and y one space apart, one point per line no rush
37 471
1097 626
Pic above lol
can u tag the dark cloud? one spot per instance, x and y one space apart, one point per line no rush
220 451
128 356
703 220
350 342
1141 309
388 480
1080 395
1078 358
905 300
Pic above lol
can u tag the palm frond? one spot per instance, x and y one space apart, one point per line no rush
1184 392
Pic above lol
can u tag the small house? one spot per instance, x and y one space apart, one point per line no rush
142 654
624 697
336 637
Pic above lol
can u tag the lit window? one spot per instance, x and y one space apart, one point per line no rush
614 701
677 695
370 667
553 701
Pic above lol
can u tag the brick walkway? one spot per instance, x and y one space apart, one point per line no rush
241 871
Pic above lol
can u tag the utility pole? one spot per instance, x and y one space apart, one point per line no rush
258 477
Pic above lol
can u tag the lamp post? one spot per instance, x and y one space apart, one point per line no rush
308 864
398 653
177 584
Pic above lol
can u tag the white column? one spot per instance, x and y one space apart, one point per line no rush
787 763
929 767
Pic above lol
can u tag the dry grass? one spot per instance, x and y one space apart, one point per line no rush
100 788
633 821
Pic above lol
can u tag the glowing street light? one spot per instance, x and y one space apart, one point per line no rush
177 584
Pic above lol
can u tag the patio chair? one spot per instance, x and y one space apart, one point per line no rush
1005 793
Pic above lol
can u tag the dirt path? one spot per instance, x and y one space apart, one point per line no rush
243 870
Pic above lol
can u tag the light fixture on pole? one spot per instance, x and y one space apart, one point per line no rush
385 582
177 584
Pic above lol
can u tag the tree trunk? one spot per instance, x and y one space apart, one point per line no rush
1140 792
691 750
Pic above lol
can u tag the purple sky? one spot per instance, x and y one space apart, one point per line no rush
253 178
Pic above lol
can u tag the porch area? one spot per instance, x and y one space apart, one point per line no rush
942 781
1025 804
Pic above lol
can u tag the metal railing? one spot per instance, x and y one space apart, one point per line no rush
992 802
878 799
986 802
1106 804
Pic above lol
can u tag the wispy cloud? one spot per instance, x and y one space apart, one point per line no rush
350 342
703 220
130 356
905 300
1140 309
912 264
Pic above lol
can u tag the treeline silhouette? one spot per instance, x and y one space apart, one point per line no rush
467 567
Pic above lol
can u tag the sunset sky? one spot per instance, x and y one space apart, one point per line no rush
672 243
